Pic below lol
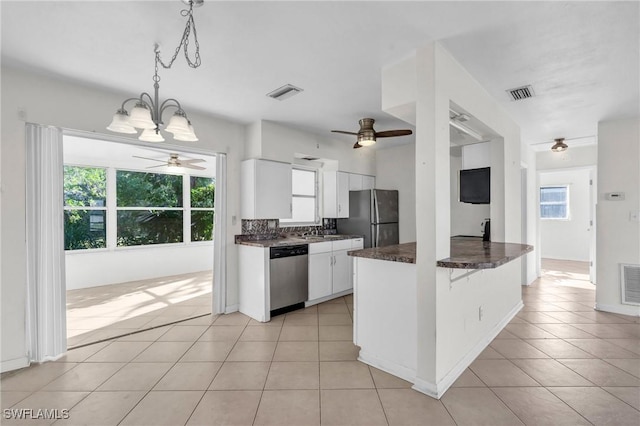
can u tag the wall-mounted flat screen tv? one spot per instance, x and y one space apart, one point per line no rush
475 186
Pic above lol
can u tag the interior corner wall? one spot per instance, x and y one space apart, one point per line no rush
533 258
48 101
618 234
456 339
396 169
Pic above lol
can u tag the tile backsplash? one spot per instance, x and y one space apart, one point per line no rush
272 226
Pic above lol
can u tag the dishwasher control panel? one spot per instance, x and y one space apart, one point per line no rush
288 251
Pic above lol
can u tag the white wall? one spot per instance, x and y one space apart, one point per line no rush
530 234
568 239
395 169
618 237
280 143
581 156
444 344
91 268
49 101
465 218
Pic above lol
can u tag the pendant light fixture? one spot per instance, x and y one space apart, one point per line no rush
559 145
147 112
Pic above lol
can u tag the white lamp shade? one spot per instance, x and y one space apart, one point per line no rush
141 117
120 123
150 135
189 136
178 124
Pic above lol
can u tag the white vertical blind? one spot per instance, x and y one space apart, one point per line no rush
46 292
219 292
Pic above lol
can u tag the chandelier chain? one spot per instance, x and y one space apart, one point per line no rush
184 43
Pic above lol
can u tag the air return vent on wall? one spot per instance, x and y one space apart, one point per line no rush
284 92
520 93
630 281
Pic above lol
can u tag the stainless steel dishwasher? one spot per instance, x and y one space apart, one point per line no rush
288 278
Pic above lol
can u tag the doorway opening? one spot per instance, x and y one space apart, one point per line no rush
139 225
567 223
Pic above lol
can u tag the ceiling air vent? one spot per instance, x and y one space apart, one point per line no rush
284 92
520 93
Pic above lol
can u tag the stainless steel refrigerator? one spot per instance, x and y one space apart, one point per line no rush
374 214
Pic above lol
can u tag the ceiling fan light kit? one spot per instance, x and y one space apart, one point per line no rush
367 136
559 145
147 111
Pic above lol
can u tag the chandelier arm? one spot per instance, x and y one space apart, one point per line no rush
128 100
166 105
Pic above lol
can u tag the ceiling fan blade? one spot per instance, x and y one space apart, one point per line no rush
392 133
346 133
192 160
147 158
191 166
356 145
159 165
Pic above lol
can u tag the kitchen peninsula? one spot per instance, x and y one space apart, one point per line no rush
387 305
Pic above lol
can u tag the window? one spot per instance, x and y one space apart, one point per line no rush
304 197
85 196
202 195
554 202
149 208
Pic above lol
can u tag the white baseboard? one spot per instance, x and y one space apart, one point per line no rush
232 308
14 364
390 367
633 311
436 390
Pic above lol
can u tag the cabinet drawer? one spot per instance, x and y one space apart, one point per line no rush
341 244
320 247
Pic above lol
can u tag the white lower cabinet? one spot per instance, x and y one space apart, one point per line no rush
330 270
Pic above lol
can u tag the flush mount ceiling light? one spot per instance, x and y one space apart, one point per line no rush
147 111
559 145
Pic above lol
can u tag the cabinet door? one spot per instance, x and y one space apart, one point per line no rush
273 190
343 194
368 182
341 271
355 182
320 277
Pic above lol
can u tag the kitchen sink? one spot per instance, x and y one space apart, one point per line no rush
322 237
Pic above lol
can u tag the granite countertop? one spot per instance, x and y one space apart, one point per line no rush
466 253
274 240
405 253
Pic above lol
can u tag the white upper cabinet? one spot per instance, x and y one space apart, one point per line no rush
355 182
335 191
265 190
359 182
368 182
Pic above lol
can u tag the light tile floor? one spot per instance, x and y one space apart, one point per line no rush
104 312
558 363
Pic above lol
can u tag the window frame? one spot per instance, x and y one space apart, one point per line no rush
111 210
316 197
566 202
189 209
103 208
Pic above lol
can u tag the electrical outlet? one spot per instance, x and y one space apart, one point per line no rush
480 313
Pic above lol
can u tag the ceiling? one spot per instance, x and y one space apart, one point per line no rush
582 58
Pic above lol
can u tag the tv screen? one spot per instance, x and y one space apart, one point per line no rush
475 186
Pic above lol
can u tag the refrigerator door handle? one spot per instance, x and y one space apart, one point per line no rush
375 235
376 211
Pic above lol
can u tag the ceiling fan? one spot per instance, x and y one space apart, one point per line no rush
367 135
174 160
